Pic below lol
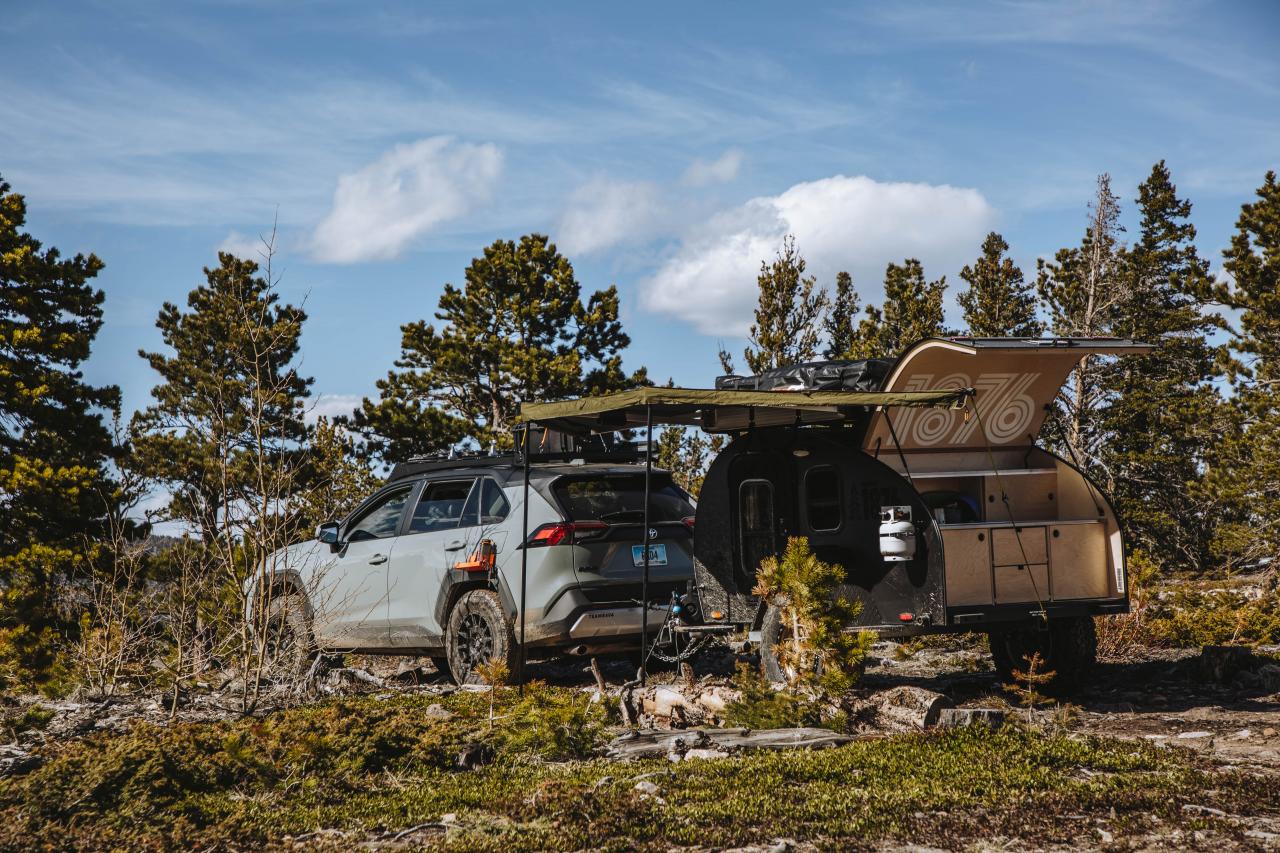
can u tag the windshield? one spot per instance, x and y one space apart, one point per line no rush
619 498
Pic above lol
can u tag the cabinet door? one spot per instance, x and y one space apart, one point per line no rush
1079 554
968 556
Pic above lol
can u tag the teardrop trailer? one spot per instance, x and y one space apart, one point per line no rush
932 492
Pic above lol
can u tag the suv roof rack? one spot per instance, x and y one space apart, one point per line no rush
548 446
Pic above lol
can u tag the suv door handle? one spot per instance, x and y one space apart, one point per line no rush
455 545
377 559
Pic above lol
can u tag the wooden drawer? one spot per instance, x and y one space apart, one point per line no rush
1005 549
1014 584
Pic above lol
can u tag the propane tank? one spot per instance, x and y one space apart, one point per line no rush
897 534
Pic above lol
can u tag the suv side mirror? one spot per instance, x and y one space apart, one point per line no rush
328 533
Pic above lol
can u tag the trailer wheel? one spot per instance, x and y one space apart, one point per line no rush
771 637
770 633
1068 647
479 630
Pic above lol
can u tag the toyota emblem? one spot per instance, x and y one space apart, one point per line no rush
653 533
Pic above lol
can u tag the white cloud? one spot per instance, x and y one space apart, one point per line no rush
719 171
331 406
379 211
603 213
242 246
840 223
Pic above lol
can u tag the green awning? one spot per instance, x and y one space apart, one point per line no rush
724 411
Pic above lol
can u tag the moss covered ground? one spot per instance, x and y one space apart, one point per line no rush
366 769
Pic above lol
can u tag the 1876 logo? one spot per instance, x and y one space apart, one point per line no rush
1002 401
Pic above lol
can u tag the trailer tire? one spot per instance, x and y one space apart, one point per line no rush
770 634
770 637
479 630
1068 647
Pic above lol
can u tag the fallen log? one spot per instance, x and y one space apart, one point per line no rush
653 743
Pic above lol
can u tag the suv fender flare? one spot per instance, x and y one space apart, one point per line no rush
456 583
286 582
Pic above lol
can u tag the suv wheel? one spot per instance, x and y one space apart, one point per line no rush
478 631
288 649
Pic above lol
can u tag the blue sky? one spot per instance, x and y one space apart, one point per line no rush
665 147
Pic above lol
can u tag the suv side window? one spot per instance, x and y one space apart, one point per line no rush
441 506
493 503
380 520
485 505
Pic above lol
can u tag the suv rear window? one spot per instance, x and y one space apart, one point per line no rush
619 498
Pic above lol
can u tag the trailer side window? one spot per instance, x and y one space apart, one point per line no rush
755 524
822 498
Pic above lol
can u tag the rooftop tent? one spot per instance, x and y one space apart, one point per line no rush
724 410
831 375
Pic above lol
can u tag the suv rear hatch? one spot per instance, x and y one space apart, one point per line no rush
606 510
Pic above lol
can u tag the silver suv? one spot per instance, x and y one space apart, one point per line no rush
430 565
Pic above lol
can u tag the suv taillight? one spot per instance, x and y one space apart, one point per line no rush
687 521
565 533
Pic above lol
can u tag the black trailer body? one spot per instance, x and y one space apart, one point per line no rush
815 482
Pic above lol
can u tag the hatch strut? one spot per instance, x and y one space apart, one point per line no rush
897 444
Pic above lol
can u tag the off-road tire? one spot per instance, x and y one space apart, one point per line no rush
289 647
479 630
1068 647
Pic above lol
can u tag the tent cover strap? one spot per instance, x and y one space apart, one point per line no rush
716 410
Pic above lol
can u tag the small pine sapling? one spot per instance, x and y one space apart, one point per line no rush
494 672
1029 681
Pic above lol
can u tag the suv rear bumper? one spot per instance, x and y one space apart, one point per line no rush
575 620
615 622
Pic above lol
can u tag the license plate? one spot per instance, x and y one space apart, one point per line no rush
657 555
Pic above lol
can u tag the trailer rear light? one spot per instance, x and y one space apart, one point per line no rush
565 533
906 617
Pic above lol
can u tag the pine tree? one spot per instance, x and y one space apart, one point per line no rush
1083 289
337 478
839 321
998 302
788 316
230 401
54 446
911 312
1161 406
517 330
687 453
1246 464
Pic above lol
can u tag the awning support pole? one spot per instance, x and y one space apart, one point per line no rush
644 539
524 554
